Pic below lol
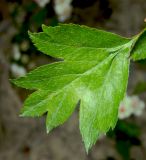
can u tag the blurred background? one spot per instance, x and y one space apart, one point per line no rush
26 138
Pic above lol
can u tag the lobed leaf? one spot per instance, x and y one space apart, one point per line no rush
94 71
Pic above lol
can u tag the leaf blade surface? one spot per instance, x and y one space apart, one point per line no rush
94 71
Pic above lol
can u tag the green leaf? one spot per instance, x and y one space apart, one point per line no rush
94 71
139 49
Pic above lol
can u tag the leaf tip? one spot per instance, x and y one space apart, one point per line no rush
87 148
16 81
21 115
49 129
43 26
13 81
87 144
30 34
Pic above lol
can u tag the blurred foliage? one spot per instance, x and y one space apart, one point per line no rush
140 88
125 135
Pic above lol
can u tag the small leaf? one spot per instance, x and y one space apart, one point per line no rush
139 49
94 72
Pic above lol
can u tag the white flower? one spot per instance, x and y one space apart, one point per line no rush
16 52
63 2
137 105
17 70
131 105
42 3
63 9
125 109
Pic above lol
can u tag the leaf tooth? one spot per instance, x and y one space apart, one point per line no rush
88 146
22 114
44 27
49 129
30 34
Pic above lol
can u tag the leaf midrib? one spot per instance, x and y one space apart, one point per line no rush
77 47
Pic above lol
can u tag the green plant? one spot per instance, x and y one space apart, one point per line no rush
93 69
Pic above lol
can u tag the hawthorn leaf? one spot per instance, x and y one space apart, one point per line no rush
93 71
